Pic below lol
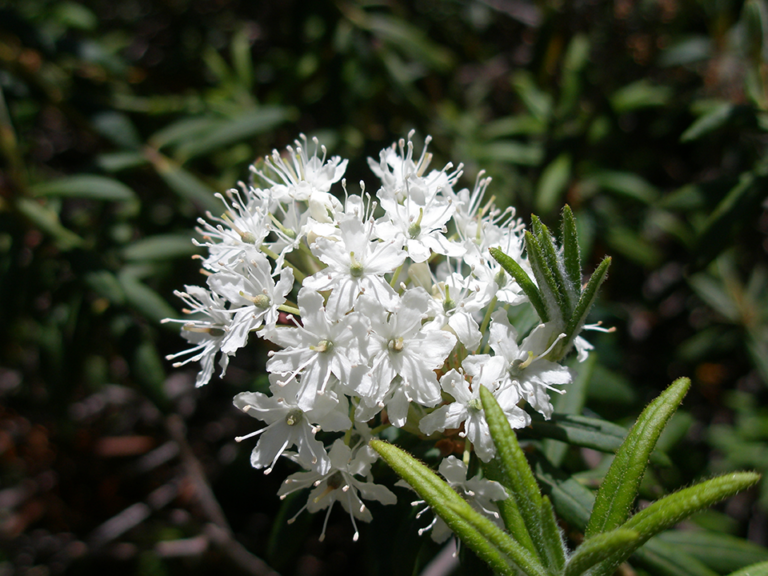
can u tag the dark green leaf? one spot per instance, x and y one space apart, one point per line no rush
85 186
720 552
709 122
48 221
587 299
553 183
640 94
598 548
521 277
621 483
160 247
760 569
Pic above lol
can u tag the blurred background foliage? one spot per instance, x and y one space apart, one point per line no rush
119 121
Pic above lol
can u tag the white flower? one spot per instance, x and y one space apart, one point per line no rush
240 231
403 357
356 264
524 367
478 492
251 288
319 348
288 425
340 484
206 335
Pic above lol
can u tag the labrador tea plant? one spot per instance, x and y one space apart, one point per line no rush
402 319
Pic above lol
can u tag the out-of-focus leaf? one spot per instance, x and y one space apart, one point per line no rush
714 293
592 433
237 129
184 130
553 182
720 552
117 161
74 15
709 122
185 185
48 221
760 569
512 152
689 197
160 247
688 51
623 184
513 126
145 300
118 128
538 102
626 241
610 387
717 231
86 186
640 94
242 62
410 39
666 560
106 285
148 370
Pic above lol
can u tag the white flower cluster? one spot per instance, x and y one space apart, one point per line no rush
400 313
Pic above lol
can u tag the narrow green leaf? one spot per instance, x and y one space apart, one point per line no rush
520 557
670 510
513 152
598 548
760 569
145 300
160 247
552 538
721 552
545 279
553 183
570 403
185 185
465 522
715 118
521 277
516 469
666 560
573 503
118 161
621 483
571 252
549 251
640 94
237 129
588 296
624 184
85 186
184 129
508 509
583 431
48 221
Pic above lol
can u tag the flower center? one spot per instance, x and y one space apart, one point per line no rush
323 346
395 344
335 481
415 228
355 267
248 237
475 404
294 417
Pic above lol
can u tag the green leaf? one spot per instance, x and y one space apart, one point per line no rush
237 129
621 483
48 221
517 473
598 548
571 252
716 118
186 185
592 433
666 560
572 402
118 128
714 293
521 277
117 161
553 268
160 247
552 538
86 186
694 48
720 552
513 152
624 184
587 299
475 531
640 94
760 569
145 300
553 183
411 40
508 509
670 510
545 278
183 130
538 102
